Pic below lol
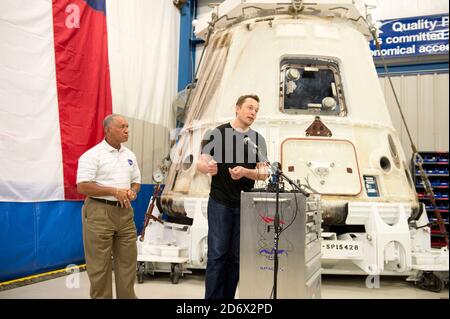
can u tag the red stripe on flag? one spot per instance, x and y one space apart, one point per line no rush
83 82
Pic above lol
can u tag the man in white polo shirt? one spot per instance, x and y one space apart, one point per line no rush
109 176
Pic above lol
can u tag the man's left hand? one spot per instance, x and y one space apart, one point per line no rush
237 172
131 195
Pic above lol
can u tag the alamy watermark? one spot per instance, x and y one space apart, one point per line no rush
73 19
373 280
73 279
225 146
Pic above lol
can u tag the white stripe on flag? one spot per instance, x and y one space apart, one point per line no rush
30 142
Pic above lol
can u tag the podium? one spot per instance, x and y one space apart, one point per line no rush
299 251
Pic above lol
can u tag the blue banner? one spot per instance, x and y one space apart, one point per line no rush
40 237
412 37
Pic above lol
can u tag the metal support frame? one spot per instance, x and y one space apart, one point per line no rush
186 62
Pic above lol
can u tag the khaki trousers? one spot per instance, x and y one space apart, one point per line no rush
109 230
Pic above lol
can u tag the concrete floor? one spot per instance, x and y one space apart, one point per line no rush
191 286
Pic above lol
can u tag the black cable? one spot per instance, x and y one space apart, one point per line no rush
262 239
295 214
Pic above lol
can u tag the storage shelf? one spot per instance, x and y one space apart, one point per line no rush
436 164
437 235
440 210
440 187
434 220
435 175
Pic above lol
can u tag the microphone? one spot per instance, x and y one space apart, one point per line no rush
275 177
261 157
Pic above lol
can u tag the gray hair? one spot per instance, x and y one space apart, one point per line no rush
108 120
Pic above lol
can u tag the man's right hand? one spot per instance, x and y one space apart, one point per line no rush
212 167
95 190
207 165
122 197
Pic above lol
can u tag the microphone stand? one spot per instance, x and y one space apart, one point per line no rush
277 229
276 223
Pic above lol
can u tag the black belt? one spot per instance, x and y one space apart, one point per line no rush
106 201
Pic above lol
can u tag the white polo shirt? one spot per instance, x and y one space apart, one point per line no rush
107 166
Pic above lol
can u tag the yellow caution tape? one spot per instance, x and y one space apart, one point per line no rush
41 275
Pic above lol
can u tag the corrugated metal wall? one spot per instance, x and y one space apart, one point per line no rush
388 9
150 143
425 102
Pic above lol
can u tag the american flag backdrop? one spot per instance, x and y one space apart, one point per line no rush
64 66
59 62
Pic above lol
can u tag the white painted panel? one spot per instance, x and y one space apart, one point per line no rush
427 128
425 101
325 164
389 9
442 106
143 39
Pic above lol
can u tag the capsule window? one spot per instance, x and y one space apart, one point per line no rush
311 86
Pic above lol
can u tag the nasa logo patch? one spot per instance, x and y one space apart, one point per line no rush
130 162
